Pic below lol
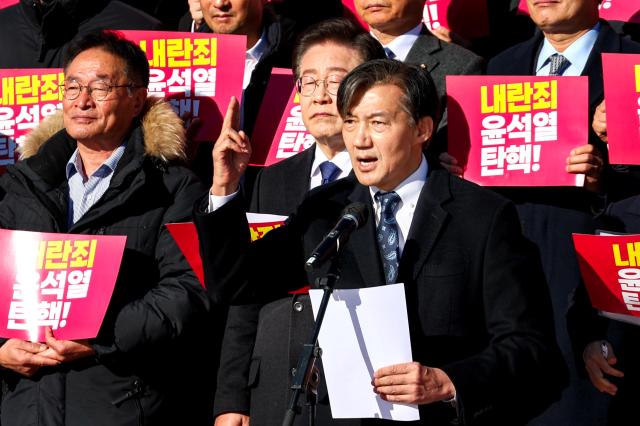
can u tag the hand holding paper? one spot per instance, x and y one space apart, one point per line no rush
232 419
231 153
413 383
597 366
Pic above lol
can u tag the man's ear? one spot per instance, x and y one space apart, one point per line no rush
139 98
424 127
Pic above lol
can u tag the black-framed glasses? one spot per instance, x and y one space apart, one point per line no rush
98 90
306 85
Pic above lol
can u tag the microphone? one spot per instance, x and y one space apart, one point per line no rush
352 217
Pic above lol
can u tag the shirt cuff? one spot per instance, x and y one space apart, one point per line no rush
217 201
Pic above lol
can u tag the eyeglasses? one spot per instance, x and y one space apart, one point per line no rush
98 91
306 85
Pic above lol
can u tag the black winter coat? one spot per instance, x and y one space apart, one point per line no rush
158 305
33 37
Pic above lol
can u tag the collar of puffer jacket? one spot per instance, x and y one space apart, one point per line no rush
163 130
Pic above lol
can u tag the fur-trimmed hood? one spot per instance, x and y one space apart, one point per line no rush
164 134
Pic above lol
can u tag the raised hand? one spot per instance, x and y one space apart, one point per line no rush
231 153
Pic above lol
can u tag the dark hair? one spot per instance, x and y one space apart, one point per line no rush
420 97
135 60
340 31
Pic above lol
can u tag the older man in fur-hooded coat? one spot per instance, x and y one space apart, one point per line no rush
137 373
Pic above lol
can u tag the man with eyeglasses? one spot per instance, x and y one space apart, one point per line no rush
479 315
109 164
322 57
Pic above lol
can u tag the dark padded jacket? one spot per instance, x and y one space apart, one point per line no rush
147 338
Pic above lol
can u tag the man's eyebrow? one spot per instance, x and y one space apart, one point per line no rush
99 77
379 113
330 69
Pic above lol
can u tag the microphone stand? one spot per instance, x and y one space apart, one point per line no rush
306 378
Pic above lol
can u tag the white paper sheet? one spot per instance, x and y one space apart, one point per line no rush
363 330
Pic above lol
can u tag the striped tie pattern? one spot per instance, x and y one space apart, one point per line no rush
558 65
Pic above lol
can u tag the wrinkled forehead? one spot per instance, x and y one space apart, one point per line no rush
95 64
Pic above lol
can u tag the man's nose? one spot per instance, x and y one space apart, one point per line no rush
84 99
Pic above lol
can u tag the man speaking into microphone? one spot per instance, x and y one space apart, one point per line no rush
480 318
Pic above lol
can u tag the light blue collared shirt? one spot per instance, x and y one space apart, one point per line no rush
85 191
577 54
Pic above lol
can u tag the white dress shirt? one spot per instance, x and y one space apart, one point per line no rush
253 56
341 160
577 54
409 192
401 45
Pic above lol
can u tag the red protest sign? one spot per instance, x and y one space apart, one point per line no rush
515 130
467 18
275 102
7 3
195 72
622 97
610 268
186 236
291 136
26 97
62 281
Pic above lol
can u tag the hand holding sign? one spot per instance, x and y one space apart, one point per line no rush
231 153
24 357
66 350
598 365
600 122
450 164
588 160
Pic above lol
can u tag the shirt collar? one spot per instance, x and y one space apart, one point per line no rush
401 45
577 53
410 188
258 49
74 165
341 160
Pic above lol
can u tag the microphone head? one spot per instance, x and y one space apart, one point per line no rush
358 212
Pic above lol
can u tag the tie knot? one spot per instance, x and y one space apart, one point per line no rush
329 171
389 53
389 202
558 64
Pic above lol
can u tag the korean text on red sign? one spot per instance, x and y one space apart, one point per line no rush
517 131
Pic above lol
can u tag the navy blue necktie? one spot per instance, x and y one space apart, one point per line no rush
387 232
558 65
389 53
329 171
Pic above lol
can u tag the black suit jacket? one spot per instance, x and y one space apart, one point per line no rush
441 59
265 339
521 59
585 325
477 304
